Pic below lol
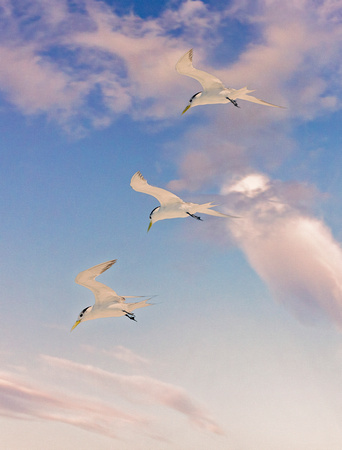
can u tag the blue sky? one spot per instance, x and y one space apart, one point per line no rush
242 348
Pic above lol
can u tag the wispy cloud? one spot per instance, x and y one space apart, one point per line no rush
121 353
87 64
145 389
292 60
23 400
296 50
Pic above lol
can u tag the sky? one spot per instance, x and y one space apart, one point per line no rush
242 346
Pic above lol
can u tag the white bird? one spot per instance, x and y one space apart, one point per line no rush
171 206
214 91
107 302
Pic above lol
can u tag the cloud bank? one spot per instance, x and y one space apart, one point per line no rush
87 63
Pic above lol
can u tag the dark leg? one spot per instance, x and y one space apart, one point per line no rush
233 101
129 315
193 215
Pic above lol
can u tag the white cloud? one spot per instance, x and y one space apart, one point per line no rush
129 62
57 64
297 51
295 254
251 185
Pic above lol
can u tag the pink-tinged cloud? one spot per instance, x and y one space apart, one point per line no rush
295 254
121 353
32 83
21 400
143 389
129 62
297 46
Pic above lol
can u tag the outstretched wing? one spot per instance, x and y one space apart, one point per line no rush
208 81
102 292
139 184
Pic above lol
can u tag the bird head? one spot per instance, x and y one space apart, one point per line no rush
192 101
82 316
153 217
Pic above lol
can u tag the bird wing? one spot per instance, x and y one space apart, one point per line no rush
102 292
140 184
208 81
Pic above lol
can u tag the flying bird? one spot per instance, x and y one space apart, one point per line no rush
171 206
214 91
107 302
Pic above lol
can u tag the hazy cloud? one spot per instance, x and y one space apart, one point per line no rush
22 400
295 254
121 353
144 389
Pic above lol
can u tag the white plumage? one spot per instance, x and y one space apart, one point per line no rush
107 302
214 91
171 206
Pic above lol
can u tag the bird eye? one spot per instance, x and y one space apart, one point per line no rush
81 315
153 211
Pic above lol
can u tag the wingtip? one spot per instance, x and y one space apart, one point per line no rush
99 268
185 59
137 175
108 264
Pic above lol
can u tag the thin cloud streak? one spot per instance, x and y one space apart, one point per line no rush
21 400
147 389
121 353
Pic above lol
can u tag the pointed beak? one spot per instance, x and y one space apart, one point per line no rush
75 324
149 226
185 110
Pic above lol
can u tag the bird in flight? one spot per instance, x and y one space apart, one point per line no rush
214 91
171 206
107 302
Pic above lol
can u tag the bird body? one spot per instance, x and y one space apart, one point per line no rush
171 206
214 91
184 209
107 302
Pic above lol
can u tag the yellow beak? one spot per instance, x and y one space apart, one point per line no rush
149 226
185 110
75 324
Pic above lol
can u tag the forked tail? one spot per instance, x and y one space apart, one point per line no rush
132 306
206 209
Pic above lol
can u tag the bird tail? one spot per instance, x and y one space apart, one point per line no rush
132 306
243 95
240 93
205 208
